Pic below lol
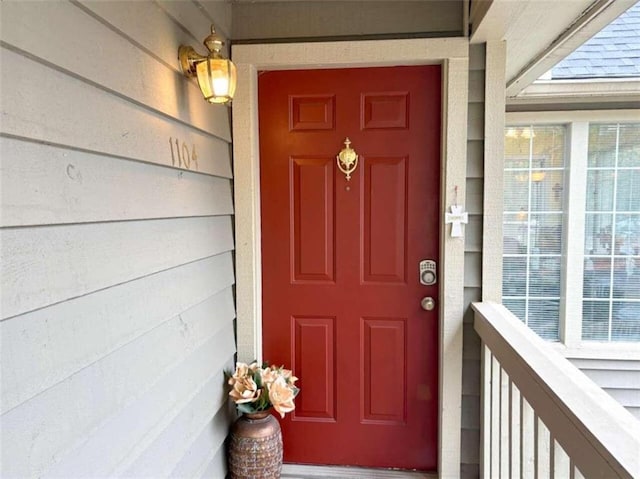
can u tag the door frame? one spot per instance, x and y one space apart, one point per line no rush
453 56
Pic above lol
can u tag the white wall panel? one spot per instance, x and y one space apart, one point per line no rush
474 234
73 113
214 469
73 260
35 27
614 379
73 442
44 184
206 446
163 455
304 19
117 275
476 85
220 13
475 159
475 190
475 123
619 378
42 348
190 15
158 34
192 389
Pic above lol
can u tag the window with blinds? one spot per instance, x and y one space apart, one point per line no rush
532 225
611 287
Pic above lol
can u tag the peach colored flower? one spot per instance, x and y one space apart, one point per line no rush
244 390
256 388
242 370
269 375
288 375
253 367
281 396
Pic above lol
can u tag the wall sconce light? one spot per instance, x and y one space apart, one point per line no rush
216 75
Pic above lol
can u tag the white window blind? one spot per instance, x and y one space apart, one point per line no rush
532 225
604 301
611 296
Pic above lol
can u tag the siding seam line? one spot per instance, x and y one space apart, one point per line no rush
120 283
122 96
110 353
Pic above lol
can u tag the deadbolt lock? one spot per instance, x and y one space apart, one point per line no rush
428 272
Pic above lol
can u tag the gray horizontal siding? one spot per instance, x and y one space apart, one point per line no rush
620 378
314 19
117 318
470 440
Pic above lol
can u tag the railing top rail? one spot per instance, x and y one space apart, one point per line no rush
600 436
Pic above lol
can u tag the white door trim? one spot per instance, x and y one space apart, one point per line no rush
452 54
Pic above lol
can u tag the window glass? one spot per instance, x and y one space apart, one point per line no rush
629 145
602 145
532 224
516 191
611 287
628 190
597 233
595 320
599 181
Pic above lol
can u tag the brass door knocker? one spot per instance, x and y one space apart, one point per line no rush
347 159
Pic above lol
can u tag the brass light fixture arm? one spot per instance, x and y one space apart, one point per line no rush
189 58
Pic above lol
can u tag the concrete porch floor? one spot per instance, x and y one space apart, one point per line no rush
299 471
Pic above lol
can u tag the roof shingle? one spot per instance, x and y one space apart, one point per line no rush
614 52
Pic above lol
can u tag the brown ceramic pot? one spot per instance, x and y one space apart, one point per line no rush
255 447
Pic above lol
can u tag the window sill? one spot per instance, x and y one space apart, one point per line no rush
600 350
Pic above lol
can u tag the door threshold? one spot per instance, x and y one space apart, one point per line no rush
300 471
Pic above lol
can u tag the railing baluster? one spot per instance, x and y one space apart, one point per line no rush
514 431
543 458
542 418
495 417
527 440
504 424
560 466
574 472
485 453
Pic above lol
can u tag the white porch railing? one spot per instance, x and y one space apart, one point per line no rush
542 417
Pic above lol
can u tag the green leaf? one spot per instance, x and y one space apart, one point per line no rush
246 408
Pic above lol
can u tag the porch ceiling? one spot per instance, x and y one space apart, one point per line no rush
539 33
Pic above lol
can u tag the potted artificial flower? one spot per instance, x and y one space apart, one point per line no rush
255 448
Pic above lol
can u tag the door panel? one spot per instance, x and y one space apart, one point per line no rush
383 387
384 220
341 291
314 353
312 190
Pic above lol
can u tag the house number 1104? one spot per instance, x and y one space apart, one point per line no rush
181 157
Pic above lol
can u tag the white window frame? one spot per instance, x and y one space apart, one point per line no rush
577 123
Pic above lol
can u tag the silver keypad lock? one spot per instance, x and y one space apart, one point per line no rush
428 275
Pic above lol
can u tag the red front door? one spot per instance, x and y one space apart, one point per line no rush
340 260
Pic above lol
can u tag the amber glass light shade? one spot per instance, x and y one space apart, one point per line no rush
216 75
217 79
